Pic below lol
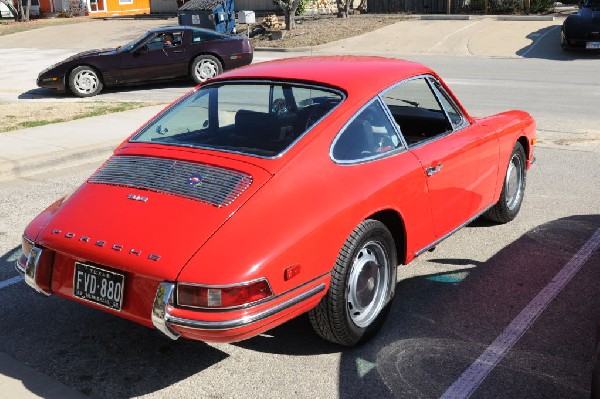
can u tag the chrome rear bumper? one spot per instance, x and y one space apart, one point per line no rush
164 321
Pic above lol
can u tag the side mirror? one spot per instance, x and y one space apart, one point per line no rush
141 49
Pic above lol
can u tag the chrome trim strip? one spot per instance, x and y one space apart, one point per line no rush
436 242
19 268
31 270
231 324
160 314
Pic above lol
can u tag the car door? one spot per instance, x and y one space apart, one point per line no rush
153 60
460 159
371 151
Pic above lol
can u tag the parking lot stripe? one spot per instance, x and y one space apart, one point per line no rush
470 380
11 281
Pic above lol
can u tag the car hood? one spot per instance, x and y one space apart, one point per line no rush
149 215
92 53
590 15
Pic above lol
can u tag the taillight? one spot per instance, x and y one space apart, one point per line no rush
214 297
26 246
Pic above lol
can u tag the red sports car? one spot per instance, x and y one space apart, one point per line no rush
277 189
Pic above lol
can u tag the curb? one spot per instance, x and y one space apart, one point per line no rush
56 160
525 18
445 17
285 49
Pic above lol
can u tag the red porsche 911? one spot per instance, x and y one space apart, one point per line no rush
277 189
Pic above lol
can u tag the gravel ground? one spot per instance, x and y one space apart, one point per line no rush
315 30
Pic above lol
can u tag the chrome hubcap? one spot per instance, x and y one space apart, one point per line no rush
514 182
86 81
206 70
368 284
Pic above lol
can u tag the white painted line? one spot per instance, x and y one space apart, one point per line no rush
470 380
440 42
538 40
9 282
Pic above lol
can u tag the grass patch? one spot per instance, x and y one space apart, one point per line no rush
9 26
32 114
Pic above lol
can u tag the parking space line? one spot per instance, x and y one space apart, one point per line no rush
11 281
470 380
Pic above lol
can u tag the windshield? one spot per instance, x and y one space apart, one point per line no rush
134 42
256 118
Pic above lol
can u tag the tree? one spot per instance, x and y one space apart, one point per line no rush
343 7
289 8
19 13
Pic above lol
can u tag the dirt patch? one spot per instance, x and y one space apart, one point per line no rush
315 30
22 114
7 26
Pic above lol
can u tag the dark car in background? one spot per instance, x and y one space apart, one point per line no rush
581 31
166 53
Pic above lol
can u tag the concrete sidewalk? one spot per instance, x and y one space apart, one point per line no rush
21 381
41 149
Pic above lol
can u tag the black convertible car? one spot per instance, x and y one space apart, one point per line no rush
161 54
581 31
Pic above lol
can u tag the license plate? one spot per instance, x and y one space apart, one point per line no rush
592 45
98 285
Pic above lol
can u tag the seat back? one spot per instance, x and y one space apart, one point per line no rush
260 126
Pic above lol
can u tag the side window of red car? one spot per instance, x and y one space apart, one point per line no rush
417 111
369 135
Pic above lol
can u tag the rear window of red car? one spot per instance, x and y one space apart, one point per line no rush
255 118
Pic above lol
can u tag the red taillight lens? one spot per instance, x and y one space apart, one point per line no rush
222 297
26 246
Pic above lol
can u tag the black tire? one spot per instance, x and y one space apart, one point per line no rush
362 287
205 67
85 81
563 41
513 189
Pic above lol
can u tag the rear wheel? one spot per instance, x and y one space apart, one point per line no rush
511 197
84 81
362 287
563 41
205 67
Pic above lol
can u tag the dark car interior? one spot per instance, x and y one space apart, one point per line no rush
418 123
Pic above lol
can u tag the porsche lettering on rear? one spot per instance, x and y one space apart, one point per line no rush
102 243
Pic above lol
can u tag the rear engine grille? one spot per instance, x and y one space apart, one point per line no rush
214 185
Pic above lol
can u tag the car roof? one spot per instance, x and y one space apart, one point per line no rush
349 73
186 27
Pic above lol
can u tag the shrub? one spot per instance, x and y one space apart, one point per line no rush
542 6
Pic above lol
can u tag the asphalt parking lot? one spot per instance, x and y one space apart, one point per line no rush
522 297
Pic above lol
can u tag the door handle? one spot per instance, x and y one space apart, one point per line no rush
432 170
178 51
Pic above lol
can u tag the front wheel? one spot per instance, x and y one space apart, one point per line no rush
362 287
205 67
84 82
511 197
563 41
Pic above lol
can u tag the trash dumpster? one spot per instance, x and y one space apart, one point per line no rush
217 15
